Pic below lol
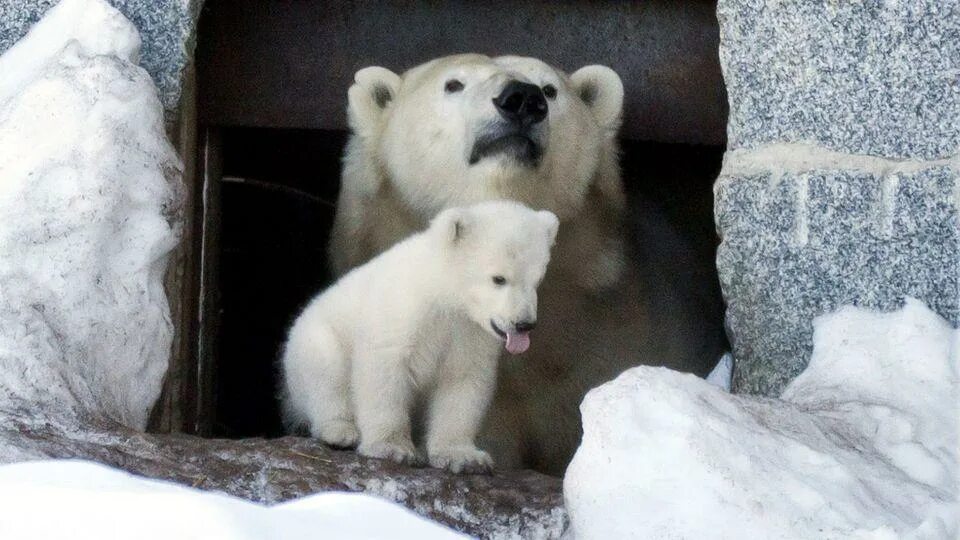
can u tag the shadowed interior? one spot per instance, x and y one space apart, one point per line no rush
275 227
272 79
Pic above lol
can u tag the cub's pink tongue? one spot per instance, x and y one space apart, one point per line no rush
518 343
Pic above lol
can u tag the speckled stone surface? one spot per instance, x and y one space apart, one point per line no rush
841 183
877 77
796 246
166 28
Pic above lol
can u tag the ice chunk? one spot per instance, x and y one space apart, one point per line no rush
863 444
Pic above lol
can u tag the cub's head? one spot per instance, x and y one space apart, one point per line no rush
469 128
497 253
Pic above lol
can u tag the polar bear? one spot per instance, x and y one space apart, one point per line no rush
420 323
620 292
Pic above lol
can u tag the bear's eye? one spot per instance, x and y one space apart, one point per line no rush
550 91
453 86
499 280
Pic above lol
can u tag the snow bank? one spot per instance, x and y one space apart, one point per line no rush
863 444
88 208
82 500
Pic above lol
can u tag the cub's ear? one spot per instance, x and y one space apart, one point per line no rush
451 225
602 90
373 90
551 224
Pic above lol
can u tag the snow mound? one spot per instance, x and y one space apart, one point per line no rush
88 207
97 28
863 444
82 500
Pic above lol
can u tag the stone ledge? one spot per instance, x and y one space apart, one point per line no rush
507 504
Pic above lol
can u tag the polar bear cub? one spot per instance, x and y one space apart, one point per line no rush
420 326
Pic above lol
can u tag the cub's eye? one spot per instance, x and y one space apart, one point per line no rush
550 91
499 280
453 86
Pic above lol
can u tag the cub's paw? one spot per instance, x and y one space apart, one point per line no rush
462 459
399 451
338 433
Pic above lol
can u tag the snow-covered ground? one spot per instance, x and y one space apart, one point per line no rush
88 215
81 500
863 444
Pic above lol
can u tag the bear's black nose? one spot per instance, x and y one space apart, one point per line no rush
525 326
522 103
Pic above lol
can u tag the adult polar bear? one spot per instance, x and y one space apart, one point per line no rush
467 128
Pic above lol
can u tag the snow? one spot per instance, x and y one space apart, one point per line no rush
722 373
784 159
97 28
863 444
88 206
83 500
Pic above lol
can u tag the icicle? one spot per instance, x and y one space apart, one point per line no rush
801 225
890 185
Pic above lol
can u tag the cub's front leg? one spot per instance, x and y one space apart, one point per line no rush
383 399
465 387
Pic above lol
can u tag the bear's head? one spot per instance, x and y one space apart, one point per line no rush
468 128
497 253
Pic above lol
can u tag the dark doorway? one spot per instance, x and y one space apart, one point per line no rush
278 192
272 79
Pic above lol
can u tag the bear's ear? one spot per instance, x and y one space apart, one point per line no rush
602 90
451 224
551 224
372 91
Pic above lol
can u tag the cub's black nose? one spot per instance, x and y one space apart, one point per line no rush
525 326
522 103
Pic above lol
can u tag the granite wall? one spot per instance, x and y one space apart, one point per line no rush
840 183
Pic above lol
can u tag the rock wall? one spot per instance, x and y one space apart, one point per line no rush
840 184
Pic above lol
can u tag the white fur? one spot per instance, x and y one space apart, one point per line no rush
424 155
413 325
408 159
